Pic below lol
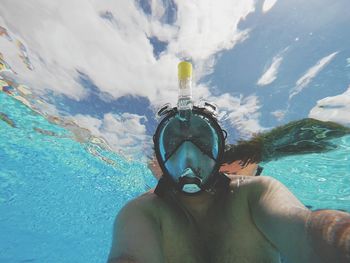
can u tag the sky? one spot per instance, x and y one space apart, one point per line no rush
109 65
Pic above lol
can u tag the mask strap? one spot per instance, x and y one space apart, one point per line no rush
222 182
259 170
225 134
162 187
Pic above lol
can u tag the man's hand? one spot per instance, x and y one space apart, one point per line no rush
329 234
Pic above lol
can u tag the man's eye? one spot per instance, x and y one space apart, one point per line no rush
172 142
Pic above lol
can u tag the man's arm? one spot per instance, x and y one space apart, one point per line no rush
329 234
136 237
300 235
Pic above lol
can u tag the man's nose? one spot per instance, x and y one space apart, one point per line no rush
189 154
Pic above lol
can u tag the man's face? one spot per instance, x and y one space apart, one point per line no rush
189 156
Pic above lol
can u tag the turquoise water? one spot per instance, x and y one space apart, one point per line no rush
57 200
319 180
59 197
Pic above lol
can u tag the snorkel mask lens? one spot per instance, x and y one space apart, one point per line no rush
189 150
197 131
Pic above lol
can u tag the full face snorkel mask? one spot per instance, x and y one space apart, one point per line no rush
189 143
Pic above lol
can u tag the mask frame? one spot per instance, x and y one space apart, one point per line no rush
221 134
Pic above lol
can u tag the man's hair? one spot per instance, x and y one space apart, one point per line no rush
244 150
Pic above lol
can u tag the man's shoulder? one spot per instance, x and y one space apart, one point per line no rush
249 183
252 187
146 203
147 197
264 189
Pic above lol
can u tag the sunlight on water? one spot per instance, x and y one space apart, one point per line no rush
55 194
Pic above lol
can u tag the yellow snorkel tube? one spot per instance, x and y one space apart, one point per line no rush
185 101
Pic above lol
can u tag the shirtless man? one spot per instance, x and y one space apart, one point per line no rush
255 221
259 219
205 212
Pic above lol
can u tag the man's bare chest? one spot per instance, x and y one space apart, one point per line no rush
222 236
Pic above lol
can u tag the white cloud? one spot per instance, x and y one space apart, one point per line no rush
66 36
268 4
56 77
242 113
270 74
334 108
279 114
117 56
124 133
311 74
348 62
207 27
